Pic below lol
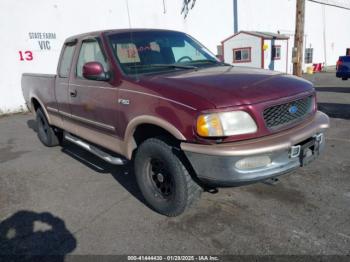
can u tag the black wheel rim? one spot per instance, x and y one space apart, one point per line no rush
160 179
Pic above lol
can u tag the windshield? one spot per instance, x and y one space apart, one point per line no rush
158 51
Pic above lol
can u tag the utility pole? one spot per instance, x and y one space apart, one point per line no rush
235 16
299 38
324 34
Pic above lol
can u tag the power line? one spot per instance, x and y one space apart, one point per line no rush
330 4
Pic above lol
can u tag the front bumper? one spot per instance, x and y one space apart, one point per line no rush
215 165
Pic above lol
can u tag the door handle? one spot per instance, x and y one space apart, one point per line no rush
73 93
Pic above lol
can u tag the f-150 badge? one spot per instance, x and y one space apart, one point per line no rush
124 101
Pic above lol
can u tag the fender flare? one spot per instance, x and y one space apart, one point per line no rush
130 143
41 105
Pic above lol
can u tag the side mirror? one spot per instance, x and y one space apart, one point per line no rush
95 71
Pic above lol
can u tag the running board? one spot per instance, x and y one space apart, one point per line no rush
94 150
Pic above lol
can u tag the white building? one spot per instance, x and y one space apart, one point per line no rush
32 31
326 36
257 49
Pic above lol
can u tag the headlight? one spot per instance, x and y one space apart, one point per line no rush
225 124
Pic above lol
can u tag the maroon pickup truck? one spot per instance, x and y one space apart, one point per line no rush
188 121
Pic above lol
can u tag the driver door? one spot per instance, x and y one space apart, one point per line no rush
93 103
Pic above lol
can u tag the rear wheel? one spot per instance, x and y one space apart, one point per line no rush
344 78
46 133
163 179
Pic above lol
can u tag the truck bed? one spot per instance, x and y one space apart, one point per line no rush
38 86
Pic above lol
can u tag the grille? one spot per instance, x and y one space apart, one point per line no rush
285 114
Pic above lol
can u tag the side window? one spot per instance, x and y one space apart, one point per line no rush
66 61
309 55
242 55
276 52
90 52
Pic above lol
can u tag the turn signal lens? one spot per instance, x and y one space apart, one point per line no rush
225 124
209 125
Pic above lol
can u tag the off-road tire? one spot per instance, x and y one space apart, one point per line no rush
183 189
46 133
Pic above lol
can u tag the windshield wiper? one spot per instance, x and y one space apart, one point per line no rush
165 66
175 66
211 62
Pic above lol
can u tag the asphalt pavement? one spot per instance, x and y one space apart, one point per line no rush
63 200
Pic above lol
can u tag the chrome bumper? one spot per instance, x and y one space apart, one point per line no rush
216 164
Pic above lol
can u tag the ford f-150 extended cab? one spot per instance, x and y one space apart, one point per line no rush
187 121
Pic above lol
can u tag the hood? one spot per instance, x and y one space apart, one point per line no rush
225 86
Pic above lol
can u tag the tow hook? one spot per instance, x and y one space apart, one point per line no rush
212 190
271 181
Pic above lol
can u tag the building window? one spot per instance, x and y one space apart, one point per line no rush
309 53
276 52
242 55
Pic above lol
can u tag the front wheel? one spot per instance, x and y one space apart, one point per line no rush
163 179
344 78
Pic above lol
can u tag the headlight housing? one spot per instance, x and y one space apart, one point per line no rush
225 124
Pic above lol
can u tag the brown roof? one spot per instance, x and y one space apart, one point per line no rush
265 35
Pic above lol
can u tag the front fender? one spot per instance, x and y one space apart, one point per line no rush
147 119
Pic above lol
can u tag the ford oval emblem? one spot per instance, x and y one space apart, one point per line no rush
293 109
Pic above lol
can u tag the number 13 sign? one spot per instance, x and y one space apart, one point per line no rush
25 56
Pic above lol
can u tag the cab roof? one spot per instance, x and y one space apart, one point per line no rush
114 31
